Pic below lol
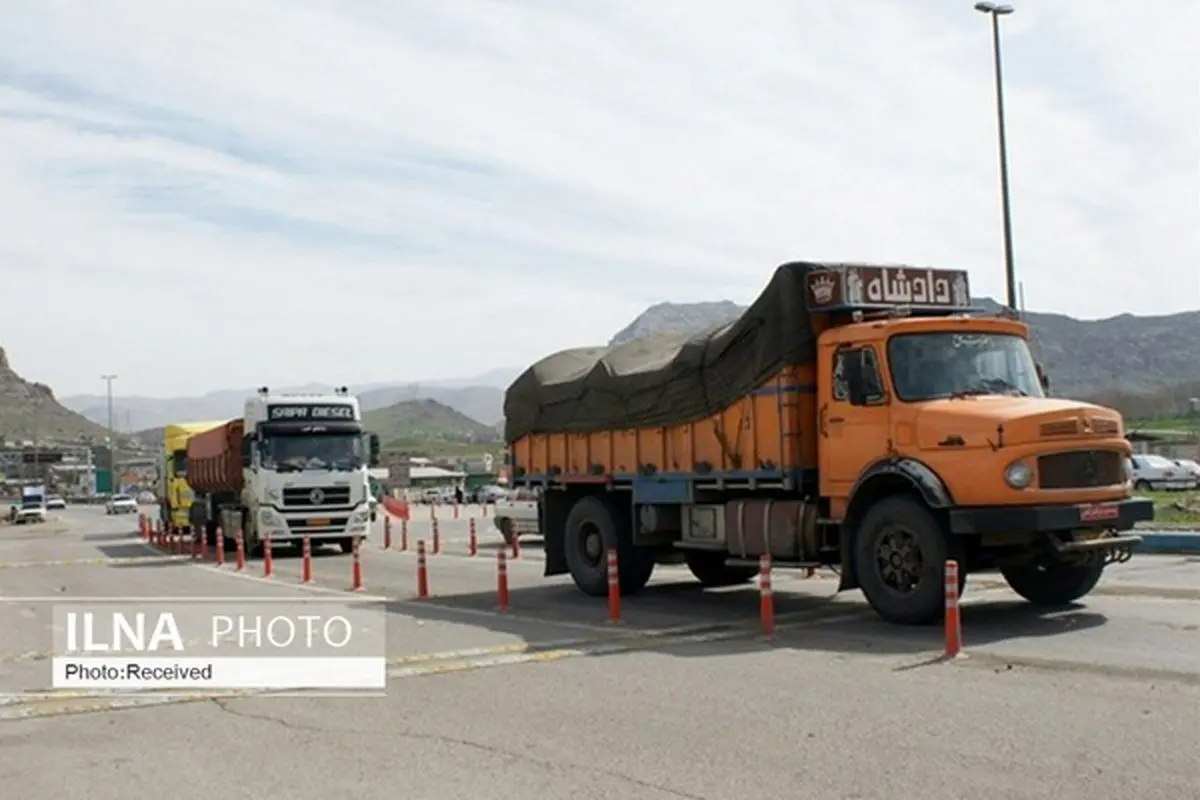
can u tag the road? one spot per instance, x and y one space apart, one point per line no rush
682 700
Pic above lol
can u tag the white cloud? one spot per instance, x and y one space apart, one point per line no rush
223 193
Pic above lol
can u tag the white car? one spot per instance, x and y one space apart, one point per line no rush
28 513
1190 466
55 503
121 504
517 515
1151 472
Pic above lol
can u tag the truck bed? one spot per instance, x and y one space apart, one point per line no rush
215 459
761 435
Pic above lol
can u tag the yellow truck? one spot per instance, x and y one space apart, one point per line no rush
174 494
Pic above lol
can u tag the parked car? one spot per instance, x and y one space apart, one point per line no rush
517 515
55 503
121 504
1151 472
487 494
1191 466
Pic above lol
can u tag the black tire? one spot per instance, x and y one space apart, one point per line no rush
1142 486
711 570
346 544
1053 584
594 525
910 588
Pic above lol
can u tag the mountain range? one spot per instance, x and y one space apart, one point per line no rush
1084 358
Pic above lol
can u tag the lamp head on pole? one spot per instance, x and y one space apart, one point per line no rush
999 9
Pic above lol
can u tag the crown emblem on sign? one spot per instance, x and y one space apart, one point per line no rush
822 289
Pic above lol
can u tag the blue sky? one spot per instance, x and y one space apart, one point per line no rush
206 195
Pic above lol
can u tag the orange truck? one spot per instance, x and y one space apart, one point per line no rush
858 416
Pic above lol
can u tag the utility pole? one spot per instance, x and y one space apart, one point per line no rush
112 455
995 11
37 448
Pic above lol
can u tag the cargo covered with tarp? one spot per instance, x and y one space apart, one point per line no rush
667 379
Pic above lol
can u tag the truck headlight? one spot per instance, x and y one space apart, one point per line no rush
359 517
1018 475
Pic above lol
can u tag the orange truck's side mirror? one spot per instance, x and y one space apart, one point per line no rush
1043 378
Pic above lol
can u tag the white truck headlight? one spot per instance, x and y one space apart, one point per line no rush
1018 475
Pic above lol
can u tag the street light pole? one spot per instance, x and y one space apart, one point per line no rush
112 456
995 11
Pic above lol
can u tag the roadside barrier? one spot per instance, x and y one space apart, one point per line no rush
953 614
239 540
422 571
220 547
472 539
356 567
306 564
614 587
501 582
437 538
197 537
456 510
404 534
387 533
203 545
516 545
766 606
268 561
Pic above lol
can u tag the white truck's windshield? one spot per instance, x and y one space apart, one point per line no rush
927 366
334 451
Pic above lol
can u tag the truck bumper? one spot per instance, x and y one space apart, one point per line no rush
1120 516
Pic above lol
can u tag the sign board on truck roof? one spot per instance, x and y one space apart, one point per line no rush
854 286
310 412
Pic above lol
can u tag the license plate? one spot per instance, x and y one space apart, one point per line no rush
1099 512
318 523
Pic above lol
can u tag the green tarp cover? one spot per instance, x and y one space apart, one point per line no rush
666 379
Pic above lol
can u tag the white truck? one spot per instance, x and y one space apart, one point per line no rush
292 466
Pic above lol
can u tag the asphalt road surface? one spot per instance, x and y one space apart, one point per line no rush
683 699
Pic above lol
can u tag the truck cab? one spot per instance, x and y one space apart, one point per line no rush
174 494
306 460
932 424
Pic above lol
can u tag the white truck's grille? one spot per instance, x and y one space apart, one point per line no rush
316 497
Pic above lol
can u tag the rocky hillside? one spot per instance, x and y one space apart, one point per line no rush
425 423
1084 357
28 409
677 318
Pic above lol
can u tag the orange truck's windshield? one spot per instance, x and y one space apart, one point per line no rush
928 366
